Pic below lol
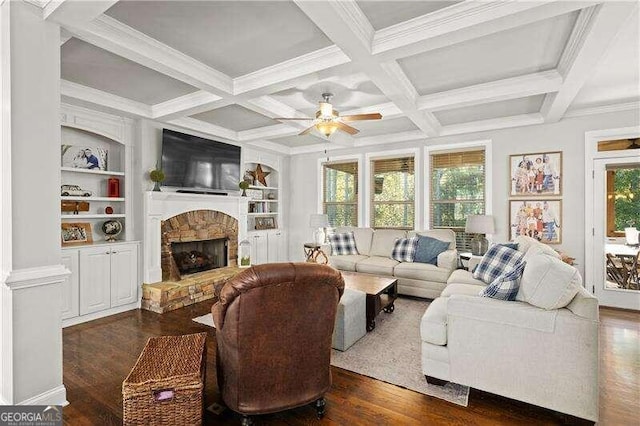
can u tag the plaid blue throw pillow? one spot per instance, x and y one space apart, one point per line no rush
497 261
342 244
404 249
506 286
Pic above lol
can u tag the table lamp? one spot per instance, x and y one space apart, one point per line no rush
480 225
319 222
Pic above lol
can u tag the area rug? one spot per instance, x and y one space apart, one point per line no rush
391 353
206 320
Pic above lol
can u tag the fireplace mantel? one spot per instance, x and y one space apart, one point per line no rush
159 206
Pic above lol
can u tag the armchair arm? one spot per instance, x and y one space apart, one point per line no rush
448 259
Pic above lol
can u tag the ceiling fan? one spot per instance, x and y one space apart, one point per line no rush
328 120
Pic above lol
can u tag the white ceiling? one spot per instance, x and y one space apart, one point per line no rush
431 68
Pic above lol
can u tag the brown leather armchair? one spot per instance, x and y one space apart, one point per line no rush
274 325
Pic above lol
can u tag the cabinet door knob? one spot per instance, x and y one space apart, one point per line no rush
107 252
114 252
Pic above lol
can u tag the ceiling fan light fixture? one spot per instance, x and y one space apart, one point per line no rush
326 109
327 128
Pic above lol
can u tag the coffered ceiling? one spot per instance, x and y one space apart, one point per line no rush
227 68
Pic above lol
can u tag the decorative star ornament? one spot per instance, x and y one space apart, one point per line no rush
260 175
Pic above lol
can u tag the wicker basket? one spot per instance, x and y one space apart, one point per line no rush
166 385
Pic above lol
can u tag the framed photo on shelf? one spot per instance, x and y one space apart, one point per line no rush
536 174
84 157
266 222
539 219
76 233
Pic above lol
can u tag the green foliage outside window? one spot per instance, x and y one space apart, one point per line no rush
627 198
341 194
393 197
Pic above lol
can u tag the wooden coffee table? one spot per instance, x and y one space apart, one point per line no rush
381 292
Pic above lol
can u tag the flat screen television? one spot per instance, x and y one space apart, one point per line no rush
194 163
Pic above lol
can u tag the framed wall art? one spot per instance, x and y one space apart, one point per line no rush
84 157
266 222
540 219
536 174
76 233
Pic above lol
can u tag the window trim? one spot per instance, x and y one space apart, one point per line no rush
341 159
488 178
417 195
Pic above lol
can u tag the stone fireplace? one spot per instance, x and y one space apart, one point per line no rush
197 241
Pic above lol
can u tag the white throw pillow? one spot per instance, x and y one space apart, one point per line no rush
527 243
548 282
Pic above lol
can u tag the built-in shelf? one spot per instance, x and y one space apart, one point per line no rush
78 198
263 187
262 214
92 216
91 171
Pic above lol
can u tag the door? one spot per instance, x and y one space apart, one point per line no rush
275 250
259 249
71 285
124 274
615 283
95 279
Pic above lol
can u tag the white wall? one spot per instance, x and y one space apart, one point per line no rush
31 312
567 136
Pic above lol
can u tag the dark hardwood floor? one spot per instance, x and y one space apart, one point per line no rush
98 355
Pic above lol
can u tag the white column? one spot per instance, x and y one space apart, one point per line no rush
31 290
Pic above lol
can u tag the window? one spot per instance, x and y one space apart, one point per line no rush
457 190
340 198
623 200
393 193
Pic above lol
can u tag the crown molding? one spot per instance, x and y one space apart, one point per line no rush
291 69
493 124
189 104
410 135
275 131
204 127
500 90
98 97
327 146
352 15
272 146
577 38
120 39
605 109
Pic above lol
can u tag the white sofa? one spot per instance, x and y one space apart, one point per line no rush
545 357
414 279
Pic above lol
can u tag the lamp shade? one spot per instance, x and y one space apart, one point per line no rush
479 224
319 221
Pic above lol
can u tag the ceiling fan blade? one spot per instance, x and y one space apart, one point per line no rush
294 118
356 117
346 128
307 130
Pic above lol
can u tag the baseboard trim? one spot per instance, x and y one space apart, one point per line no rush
55 396
96 315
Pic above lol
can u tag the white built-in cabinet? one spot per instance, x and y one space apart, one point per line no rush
267 245
105 277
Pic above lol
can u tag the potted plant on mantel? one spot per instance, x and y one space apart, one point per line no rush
157 176
244 185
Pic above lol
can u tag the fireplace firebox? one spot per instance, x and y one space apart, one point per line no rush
198 256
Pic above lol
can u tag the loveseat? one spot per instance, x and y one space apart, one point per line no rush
374 257
546 356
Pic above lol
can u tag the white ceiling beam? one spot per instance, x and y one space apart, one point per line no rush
605 109
388 110
98 97
266 132
410 135
264 144
120 39
462 22
493 124
345 25
204 127
500 90
75 12
590 39
189 104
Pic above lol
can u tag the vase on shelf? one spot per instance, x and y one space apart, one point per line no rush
156 187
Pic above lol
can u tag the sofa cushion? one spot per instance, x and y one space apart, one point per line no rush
421 271
433 326
362 236
428 249
439 234
404 249
383 241
346 262
460 276
497 261
468 289
342 244
506 286
377 265
548 282
525 243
